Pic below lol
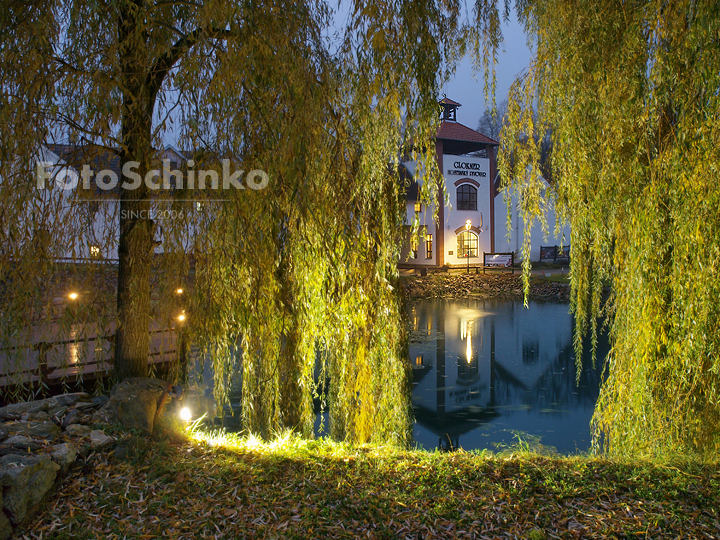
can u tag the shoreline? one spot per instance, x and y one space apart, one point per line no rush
494 285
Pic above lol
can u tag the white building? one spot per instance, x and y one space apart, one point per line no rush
556 237
98 237
475 221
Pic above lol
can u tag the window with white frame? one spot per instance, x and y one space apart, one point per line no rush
467 244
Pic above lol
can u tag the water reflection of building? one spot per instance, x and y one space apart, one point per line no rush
475 361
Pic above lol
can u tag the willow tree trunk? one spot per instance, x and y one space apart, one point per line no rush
132 338
291 394
290 375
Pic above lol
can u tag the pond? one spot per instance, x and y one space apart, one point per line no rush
486 371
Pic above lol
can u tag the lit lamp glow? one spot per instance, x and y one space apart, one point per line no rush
178 291
181 317
73 296
466 329
185 414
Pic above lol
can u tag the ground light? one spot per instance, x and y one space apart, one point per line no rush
73 296
178 291
185 414
181 317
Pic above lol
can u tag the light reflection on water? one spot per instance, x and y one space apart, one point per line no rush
483 369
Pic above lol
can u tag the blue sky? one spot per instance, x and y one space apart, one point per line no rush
467 88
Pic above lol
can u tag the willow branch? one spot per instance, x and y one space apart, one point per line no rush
166 61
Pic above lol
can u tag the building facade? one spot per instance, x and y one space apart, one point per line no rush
464 228
475 221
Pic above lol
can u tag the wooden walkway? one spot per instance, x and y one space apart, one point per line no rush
53 356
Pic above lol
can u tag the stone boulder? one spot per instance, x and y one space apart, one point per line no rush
98 439
5 527
78 431
37 430
70 400
17 410
133 404
64 454
25 480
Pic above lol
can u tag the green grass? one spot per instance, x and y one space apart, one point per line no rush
215 485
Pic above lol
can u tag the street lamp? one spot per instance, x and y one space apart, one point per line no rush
467 248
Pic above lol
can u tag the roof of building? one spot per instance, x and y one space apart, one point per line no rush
457 138
101 158
455 131
97 157
447 101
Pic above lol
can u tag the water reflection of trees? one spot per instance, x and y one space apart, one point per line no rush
549 387
555 391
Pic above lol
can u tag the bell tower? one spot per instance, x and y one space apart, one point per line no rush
449 109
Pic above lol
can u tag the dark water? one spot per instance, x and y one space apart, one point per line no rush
486 369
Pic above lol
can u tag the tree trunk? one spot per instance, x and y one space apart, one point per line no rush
132 338
290 390
290 367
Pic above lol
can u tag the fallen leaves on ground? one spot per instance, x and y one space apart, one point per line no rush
189 489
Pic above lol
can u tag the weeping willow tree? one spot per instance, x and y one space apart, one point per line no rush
629 93
300 277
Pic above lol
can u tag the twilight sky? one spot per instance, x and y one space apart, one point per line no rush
467 89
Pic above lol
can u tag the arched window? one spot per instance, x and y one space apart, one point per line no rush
466 197
467 244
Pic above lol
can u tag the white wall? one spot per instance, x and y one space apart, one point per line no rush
455 168
458 168
537 237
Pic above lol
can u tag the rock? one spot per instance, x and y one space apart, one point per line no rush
70 418
133 403
69 400
99 401
78 431
5 527
38 416
21 442
16 410
37 430
3 433
98 439
25 481
64 454
84 405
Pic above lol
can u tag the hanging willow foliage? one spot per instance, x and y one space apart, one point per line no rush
299 280
629 93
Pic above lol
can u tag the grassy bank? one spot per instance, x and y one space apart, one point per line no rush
205 487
